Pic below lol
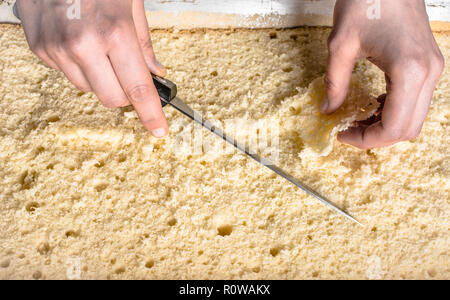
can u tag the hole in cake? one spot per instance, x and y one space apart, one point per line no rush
172 222
71 233
225 230
273 35
5 263
37 275
99 164
39 150
274 251
32 206
53 119
27 179
432 272
101 186
43 248
149 264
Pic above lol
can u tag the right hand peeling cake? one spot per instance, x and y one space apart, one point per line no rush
318 131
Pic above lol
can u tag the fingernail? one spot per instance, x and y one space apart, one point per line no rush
324 106
160 69
159 65
159 133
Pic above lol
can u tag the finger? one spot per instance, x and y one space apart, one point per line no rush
135 79
425 97
102 79
402 96
42 54
421 111
341 60
32 34
142 31
76 76
72 71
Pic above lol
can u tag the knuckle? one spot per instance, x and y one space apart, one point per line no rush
70 39
108 26
84 89
115 34
416 67
395 134
330 86
150 121
336 93
77 47
413 135
334 44
147 44
139 93
111 36
53 51
437 64
37 49
339 43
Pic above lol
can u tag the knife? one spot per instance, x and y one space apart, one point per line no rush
167 91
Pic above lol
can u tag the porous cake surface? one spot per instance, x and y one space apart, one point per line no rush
86 192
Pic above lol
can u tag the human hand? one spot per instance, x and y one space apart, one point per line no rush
402 45
107 50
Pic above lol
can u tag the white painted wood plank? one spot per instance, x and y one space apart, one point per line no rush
438 10
244 7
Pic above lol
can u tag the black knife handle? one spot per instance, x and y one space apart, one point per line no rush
167 90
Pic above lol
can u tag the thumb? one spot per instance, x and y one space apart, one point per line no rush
142 31
341 60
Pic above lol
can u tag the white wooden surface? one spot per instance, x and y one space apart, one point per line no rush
439 10
244 13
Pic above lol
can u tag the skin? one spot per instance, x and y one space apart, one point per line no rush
109 51
402 45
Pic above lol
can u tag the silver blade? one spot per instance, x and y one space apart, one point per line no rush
182 107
